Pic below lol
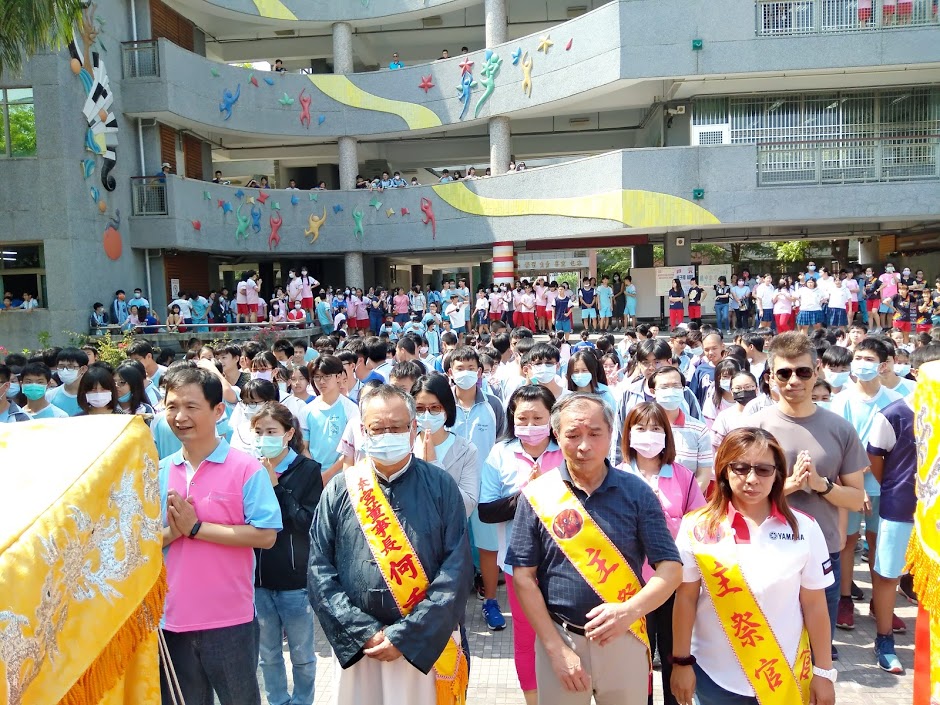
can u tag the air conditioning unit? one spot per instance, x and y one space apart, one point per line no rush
148 122
433 21
710 134
285 32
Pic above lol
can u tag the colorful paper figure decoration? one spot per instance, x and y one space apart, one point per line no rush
95 194
314 196
251 199
197 225
516 55
294 200
285 100
262 197
545 43
88 167
405 211
221 202
226 208
239 194
321 119
101 136
275 206
305 101
269 81
256 219
568 45
253 81
489 72
428 209
466 66
390 212
214 71
274 239
527 75
314 225
375 203
112 237
228 101
206 196
358 231
337 208
467 84
241 231
427 83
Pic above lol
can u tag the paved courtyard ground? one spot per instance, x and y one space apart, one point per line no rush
493 676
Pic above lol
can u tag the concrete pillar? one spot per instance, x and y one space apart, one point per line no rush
642 256
504 265
417 275
592 264
497 22
486 273
437 279
500 144
678 249
348 162
868 251
355 275
342 48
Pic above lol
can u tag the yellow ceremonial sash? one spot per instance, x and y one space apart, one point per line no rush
746 627
585 544
403 573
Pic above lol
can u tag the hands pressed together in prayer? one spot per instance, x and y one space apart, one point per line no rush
381 649
180 514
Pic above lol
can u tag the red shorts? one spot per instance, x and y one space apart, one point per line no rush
695 311
903 326
528 320
540 312
924 327
872 304
307 303
495 315
675 316
783 322
517 319
242 309
362 323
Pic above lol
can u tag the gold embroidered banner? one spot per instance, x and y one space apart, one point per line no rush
81 564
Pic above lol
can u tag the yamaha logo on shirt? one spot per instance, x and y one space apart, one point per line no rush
784 536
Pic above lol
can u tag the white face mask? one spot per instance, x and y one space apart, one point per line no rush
649 444
68 376
542 373
98 400
387 448
431 422
466 379
282 388
249 410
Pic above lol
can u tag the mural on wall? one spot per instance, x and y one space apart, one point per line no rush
101 138
274 9
111 240
427 83
527 75
276 221
344 91
305 101
313 227
241 230
516 55
255 218
228 101
286 100
467 84
358 231
545 43
488 79
427 208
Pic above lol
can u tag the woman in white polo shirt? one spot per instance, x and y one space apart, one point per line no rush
752 605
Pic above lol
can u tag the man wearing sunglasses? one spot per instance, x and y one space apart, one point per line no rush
825 456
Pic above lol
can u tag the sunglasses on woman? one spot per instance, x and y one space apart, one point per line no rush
760 469
784 373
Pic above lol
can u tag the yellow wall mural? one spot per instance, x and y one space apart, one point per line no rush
344 91
635 209
274 9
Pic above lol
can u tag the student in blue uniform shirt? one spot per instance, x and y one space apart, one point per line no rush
71 364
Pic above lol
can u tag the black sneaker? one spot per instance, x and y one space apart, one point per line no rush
906 588
478 586
857 593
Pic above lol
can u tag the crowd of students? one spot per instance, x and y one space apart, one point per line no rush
821 423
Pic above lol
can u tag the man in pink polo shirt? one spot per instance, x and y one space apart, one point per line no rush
219 504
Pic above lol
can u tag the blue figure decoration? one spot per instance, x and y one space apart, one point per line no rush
463 92
239 194
255 218
228 101
337 208
489 71
269 81
516 55
294 200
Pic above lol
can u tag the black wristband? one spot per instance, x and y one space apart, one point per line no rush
195 529
829 486
683 660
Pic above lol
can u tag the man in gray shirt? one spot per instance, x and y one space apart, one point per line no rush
823 450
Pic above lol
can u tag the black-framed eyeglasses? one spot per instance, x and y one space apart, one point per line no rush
760 469
784 373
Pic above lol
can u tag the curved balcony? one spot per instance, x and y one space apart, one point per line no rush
604 60
643 191
303 13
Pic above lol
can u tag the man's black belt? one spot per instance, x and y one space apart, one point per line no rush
566 625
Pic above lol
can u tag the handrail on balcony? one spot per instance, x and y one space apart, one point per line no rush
795 17
140 58
149 195
849 161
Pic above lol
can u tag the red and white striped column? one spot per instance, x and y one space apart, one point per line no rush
504 265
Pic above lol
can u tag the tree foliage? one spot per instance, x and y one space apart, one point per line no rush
31 26
792 250
22 130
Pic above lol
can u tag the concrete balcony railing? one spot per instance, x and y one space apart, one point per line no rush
636 191
792 17
360 13
618 54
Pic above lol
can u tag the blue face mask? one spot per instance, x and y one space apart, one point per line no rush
269 446
669 399
124 398
902 370
387 448
34 392
824 404
864 370
695 352
837 379
431 422
543 374
13 390
582 379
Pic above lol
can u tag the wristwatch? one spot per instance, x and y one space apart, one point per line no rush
829 675
829 485
683 660
195 529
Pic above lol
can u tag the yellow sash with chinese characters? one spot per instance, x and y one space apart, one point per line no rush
403 573
752 639
585 544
